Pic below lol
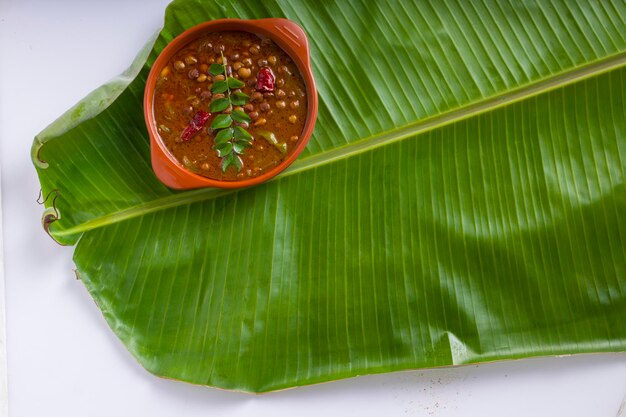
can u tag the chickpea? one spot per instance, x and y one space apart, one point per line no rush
218 95
219 77
280 93
195 102
205 95
293 119
292 94
218 48
205 166
179 65
245 53
201 78
237 65
280 104
238 108
194 73
294 104
254 115
271 60
190 60
247 62
249 107
203 68
235 56
257 96
265 106
268 95
300 92
262 62
252 82
294 138
255 49
244 72
211 60
165 71
219 60
246 43
284 70
198 90
249 172
245 125
260 122
280 82
188 110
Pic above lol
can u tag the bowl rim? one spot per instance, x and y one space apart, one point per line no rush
288 36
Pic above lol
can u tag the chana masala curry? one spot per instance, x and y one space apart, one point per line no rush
230 105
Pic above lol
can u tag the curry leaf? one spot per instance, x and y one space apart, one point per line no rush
224 136
219 87
234 83
240 146
242 134
239 99
216 69
461 200
237 162
218 105
221 121
227 160
224 149
240 116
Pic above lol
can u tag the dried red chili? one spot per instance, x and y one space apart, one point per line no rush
199 119
265 80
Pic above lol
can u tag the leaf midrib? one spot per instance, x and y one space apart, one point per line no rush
369 143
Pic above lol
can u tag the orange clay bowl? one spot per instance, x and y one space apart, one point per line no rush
290 38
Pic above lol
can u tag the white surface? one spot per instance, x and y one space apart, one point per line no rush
4 399
65 361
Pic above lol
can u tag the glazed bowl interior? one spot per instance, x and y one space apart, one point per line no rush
290 38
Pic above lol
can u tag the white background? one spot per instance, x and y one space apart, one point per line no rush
65 361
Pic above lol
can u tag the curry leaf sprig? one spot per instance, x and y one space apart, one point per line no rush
230 139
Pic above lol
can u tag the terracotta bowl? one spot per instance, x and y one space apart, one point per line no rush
288 36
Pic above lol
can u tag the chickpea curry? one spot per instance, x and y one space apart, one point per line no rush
230 105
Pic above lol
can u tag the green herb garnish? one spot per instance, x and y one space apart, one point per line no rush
230 140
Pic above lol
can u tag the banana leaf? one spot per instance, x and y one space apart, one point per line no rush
461 200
